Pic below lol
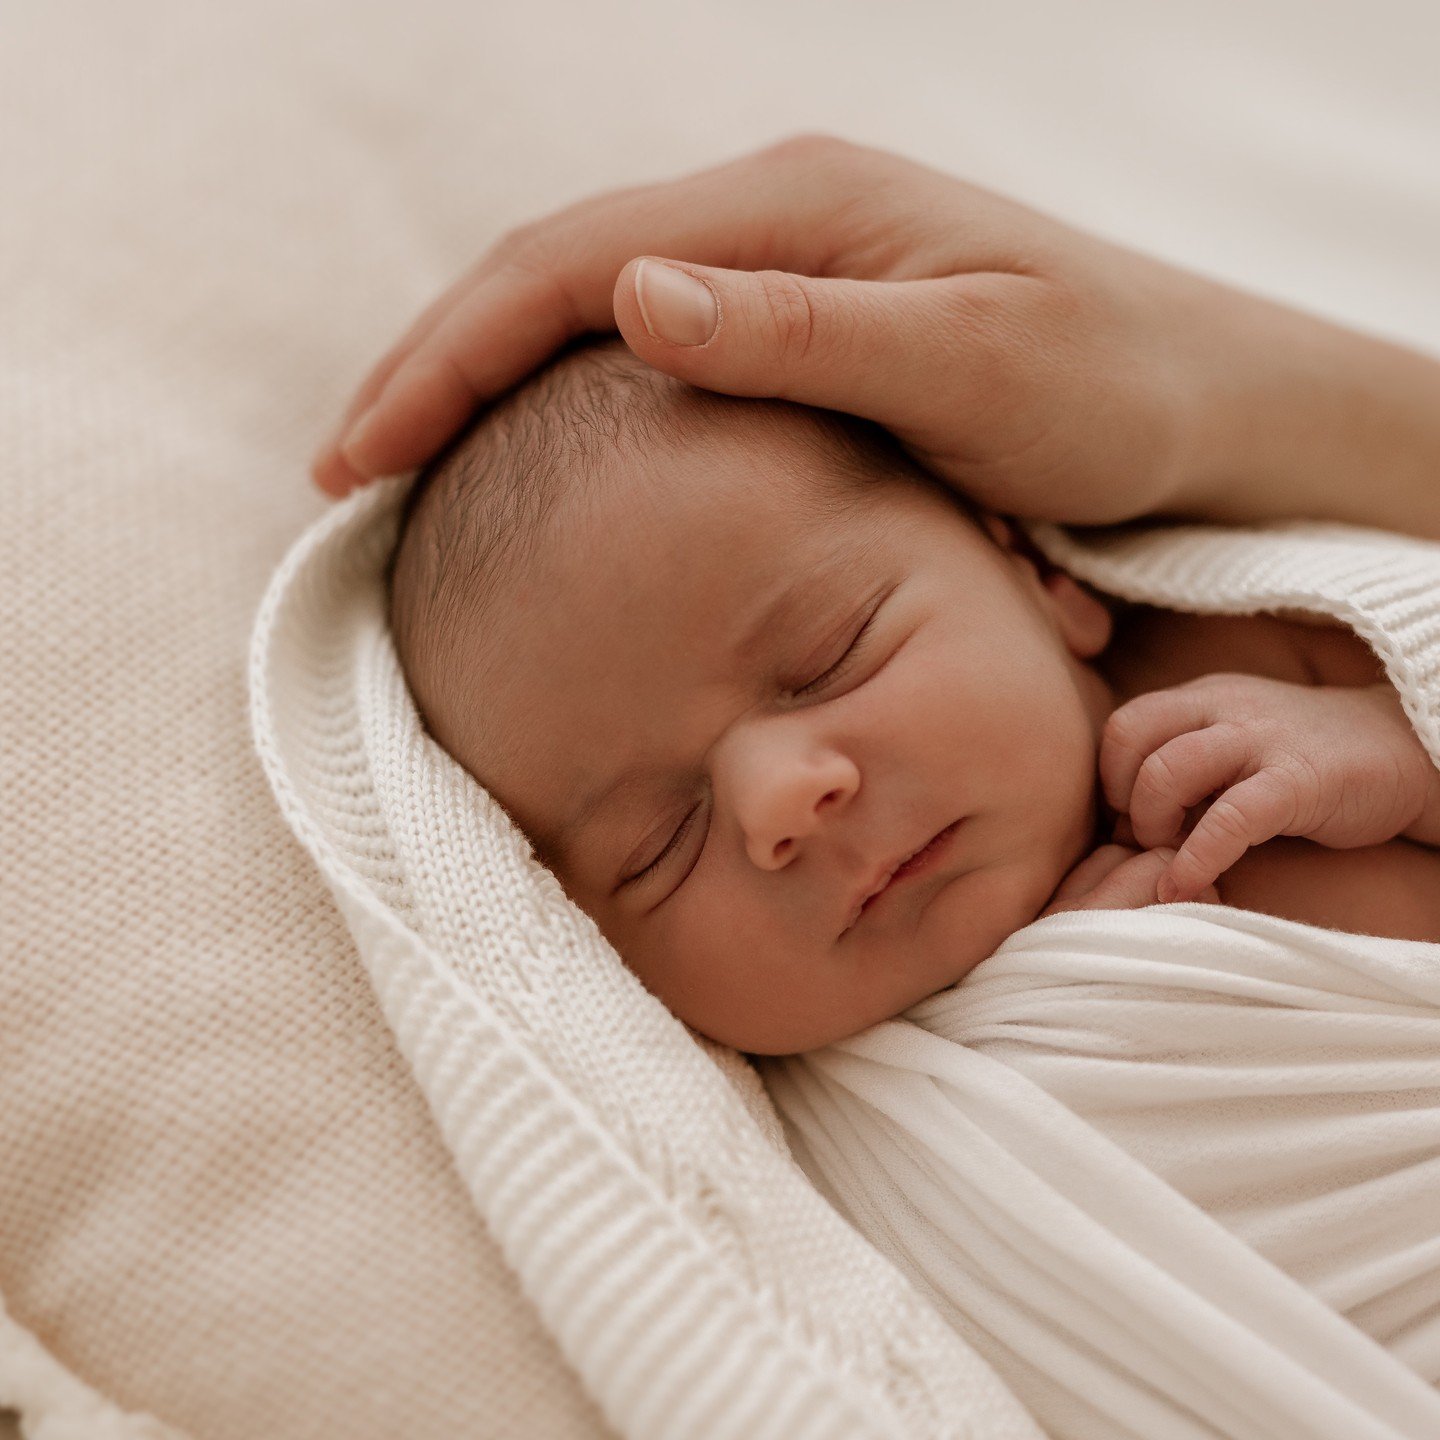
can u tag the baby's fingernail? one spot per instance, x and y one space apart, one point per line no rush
674 305
1166 890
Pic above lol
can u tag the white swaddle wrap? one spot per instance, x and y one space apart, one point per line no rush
1283 1083
637 1180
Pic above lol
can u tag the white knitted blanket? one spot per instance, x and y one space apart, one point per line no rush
637 1178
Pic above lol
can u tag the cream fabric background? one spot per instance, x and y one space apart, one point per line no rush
222 1200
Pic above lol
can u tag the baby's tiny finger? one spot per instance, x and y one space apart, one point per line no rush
1169 893
1087 875
1136 730
1129 886
1250 813
1181 774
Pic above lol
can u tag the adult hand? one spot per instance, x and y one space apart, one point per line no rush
1039 368
1046 372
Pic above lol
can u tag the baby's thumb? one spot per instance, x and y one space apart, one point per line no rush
884 350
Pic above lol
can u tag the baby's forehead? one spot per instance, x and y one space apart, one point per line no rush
752 455
741 528
710 486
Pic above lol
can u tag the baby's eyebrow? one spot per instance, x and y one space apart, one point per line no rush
596 798
775 613
772 616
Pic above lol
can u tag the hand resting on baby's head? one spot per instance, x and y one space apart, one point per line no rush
729 665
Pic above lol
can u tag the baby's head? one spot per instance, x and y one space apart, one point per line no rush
728 663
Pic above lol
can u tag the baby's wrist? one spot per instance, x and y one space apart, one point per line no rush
1426 828
1425 776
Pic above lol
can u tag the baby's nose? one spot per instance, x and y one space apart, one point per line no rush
783 809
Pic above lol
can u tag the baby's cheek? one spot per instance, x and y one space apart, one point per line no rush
731 972
976 914
702 947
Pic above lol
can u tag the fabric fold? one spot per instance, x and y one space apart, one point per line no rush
1002 1144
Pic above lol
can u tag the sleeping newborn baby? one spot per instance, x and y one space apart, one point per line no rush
808 738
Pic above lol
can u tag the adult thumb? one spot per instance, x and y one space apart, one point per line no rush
914 355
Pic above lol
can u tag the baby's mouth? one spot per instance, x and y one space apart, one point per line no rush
915 863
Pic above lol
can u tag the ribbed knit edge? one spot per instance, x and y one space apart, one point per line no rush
55 1404
643 1307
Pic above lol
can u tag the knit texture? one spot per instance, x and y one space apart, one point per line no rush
223 1203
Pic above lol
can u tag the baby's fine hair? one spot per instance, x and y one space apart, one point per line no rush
474 517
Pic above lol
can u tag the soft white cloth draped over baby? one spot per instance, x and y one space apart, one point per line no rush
1167 1171
1157 1166
1174 1171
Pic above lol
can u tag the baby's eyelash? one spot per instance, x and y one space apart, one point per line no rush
844 662
675 840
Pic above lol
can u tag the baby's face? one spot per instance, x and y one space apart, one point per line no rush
724 717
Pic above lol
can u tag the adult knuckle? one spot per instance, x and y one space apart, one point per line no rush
972 311
849 189
990 328
518 242
809 147
791 313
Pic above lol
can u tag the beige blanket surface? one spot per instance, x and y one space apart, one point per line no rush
223 1200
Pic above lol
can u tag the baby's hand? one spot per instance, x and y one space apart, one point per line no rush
1337 765
1115 877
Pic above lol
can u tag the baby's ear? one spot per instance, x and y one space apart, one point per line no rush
1084 622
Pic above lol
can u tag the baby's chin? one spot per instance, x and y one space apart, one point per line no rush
975 916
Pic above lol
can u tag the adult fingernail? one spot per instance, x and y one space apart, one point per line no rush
352 447
674 305
330 472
